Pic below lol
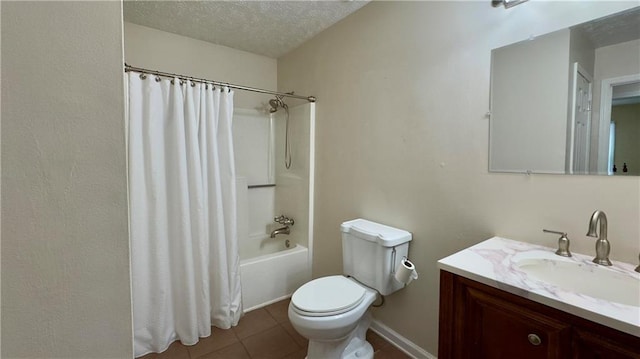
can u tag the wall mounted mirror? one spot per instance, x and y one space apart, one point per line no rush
568 102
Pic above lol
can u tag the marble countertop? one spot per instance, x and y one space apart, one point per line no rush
493 262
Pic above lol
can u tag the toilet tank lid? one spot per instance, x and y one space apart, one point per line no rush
384 235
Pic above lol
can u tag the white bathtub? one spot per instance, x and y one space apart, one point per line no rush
273 277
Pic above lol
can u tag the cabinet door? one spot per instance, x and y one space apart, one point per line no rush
588 345
497 329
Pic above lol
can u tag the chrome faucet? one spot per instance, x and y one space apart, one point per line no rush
602 244
281 230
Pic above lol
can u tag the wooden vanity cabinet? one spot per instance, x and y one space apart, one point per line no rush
480 322
588 345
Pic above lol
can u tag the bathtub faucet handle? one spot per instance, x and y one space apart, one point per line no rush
285 221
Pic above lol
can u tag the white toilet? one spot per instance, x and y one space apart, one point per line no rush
332 312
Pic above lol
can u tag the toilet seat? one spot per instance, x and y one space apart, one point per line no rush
327 296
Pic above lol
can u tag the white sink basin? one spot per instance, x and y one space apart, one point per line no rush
585 278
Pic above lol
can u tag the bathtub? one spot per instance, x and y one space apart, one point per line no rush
272 277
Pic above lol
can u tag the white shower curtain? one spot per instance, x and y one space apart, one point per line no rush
184 249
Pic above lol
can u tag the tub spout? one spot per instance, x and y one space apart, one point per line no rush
281 230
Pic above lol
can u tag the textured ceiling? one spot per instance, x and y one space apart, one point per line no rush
614 29
270 28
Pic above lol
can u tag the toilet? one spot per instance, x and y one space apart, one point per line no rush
333 311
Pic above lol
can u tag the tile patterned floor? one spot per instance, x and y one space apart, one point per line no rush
261 334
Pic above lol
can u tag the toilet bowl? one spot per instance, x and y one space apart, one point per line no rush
332 312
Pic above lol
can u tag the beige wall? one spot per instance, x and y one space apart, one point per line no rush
402 91
159 50
65 265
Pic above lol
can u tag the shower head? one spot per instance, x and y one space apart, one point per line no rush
274 103
277 102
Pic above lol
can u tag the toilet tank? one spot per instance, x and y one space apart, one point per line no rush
372 251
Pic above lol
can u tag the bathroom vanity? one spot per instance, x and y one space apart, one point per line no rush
496 302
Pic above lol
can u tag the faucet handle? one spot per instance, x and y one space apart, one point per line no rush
638 267
555 232
285 221
563 243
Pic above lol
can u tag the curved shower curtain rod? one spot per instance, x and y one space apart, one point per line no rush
128 68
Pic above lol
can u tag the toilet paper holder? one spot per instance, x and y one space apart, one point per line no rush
393 261
405 272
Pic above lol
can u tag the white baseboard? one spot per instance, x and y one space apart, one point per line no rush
400 342
261 305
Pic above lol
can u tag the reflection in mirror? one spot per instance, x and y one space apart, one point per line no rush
624 133
566 102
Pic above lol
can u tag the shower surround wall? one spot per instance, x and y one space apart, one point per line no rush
259 142
403 140
252 136
292 193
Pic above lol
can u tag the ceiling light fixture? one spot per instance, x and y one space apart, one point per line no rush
507 3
